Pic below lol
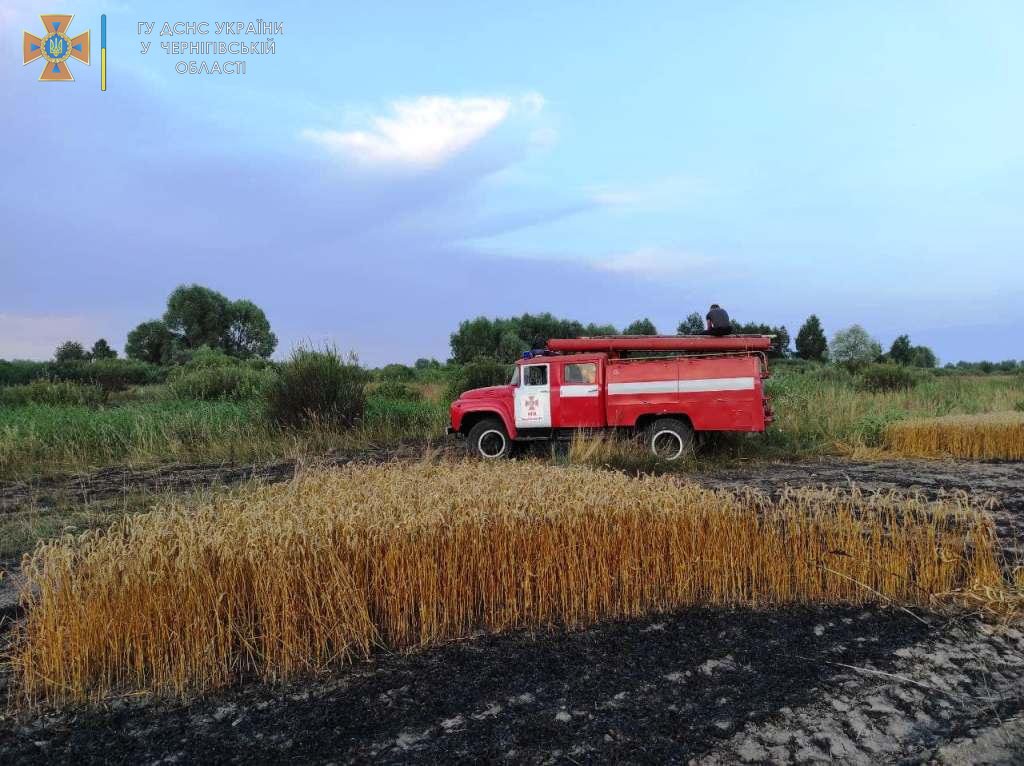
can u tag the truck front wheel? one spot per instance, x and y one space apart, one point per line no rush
489 440
669 438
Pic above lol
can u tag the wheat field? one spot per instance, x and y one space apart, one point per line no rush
274 581
989 436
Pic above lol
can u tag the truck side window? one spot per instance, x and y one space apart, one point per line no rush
536 375
580 373
515 378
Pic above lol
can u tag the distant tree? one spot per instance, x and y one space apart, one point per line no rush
780 345
854 347
900 351
922 356
475 338
505 339
426 364
641 327
399 372
248 332
511 346
692 325
199 316
593 330
810 340
151 342
70 351
102 350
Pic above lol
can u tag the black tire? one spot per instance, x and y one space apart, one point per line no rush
669 439
489 440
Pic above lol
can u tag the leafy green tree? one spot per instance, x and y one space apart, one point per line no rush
854 347
248 332
505 339
70 351
151 342
901 351
692 325
810 340
922 356
510 346
595 330
199 316
102 350
641 327
475 338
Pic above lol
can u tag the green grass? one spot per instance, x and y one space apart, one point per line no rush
819 410
45 439
828 412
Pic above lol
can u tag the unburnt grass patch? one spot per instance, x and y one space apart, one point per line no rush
994 435
278 581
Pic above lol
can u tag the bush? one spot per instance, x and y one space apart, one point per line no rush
405 416
228 382
21 371
395 391
886 377
49 392
871 428
479 373
110 374
832 373
318 386
399 372
203 357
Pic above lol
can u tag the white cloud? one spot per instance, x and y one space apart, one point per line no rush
664 194
656 262
36 336
422 132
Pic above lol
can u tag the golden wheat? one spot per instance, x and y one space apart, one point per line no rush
993 436
278 580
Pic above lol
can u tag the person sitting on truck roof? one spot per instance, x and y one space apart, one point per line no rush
718 321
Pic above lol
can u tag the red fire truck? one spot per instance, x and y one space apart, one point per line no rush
663 387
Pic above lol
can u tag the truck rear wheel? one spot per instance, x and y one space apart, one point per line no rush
489 440
669 438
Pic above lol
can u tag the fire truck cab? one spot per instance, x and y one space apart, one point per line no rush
681 385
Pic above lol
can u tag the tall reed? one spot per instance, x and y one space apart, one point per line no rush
272 581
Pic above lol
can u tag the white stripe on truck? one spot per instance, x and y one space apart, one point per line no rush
681 386
574 390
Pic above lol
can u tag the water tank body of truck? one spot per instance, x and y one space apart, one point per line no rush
664 387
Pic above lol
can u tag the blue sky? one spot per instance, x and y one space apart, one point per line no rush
397 167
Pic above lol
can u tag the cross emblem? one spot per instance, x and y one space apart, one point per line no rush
56 47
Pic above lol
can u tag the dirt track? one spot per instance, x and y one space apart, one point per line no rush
709 686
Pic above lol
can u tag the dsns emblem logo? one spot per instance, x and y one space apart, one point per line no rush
56 48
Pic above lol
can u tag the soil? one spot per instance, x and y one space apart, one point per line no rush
853 685
704 686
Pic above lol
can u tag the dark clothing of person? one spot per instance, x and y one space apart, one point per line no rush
718 322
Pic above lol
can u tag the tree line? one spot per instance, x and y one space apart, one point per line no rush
505 339
196 317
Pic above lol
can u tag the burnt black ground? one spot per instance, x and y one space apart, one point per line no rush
715 686
631 691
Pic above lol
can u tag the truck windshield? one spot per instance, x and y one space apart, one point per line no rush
515 378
